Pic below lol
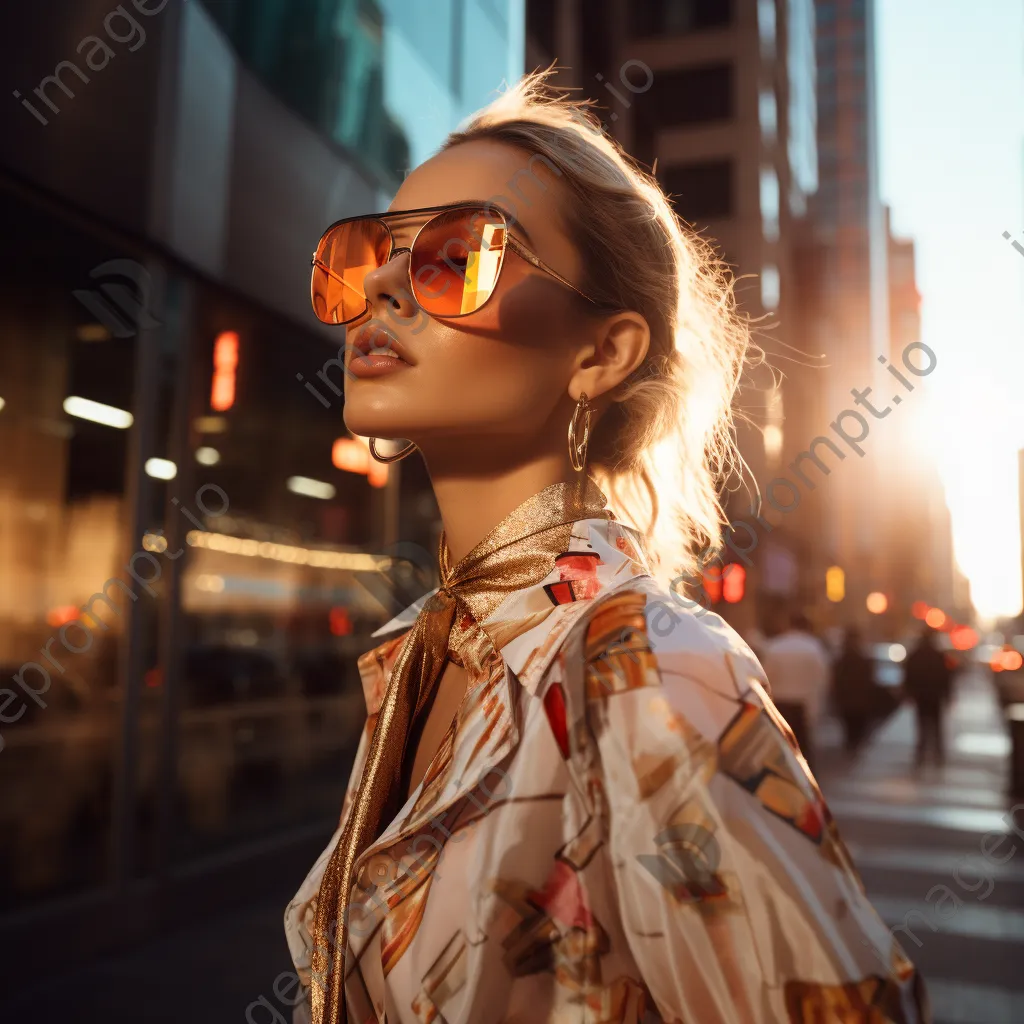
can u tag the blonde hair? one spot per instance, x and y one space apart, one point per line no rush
667 442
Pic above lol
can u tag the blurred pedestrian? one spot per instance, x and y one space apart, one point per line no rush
927 682
797 664
853 689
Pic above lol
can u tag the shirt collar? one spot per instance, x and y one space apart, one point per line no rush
527 627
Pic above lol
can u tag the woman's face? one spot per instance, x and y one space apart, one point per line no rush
491 387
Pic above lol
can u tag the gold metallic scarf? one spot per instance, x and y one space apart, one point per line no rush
519 552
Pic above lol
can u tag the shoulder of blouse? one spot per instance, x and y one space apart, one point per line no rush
601 590
683 638
638 633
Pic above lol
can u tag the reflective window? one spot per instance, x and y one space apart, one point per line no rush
770 204
193 552
693 95
67 363
768 114
237 608
766 25
700 191
326 61
384 78
803 86
285 575
483 48
770 287
661 17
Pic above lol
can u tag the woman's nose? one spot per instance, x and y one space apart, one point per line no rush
387 290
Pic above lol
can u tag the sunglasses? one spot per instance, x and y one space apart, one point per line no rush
455 261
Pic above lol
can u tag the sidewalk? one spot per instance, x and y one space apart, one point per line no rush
206 973
908 833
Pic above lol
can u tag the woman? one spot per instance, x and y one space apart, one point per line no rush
573 798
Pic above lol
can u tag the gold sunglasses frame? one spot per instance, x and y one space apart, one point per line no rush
511 243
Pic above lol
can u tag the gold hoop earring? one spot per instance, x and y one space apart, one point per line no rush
578 446
397 457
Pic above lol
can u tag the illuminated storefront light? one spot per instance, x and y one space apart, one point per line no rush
97 412
310 488
161 469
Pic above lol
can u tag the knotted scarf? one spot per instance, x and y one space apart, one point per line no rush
518 553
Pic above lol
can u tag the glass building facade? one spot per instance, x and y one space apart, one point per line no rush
386 79
192 551
803 106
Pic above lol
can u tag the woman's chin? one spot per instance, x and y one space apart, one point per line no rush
371 426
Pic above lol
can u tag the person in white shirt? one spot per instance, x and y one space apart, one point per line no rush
798 666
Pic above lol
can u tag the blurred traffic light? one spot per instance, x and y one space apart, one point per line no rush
1006 661
713 583
877 602
963 638
734 582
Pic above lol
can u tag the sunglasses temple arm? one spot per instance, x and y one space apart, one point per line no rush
516 246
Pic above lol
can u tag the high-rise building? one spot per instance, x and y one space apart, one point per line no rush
913 559
188 566
852 246
720 99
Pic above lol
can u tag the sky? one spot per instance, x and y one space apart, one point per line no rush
951 147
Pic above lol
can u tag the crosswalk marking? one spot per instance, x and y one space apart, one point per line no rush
969 919
908 833
904 793
931 861
959 819
958 1002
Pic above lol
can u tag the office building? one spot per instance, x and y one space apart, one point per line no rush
188 562
719 99
914 560
850 231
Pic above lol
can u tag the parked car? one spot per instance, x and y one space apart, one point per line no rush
888 659
1006 665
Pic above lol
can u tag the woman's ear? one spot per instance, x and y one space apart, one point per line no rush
620 346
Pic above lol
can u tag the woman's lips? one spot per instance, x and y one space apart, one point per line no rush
375 365
376 352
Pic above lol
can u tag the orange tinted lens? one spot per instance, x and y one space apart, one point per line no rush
456 260
345 255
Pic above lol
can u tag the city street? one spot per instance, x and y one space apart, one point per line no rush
208 973
907 835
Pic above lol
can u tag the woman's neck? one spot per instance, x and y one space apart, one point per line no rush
472 505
